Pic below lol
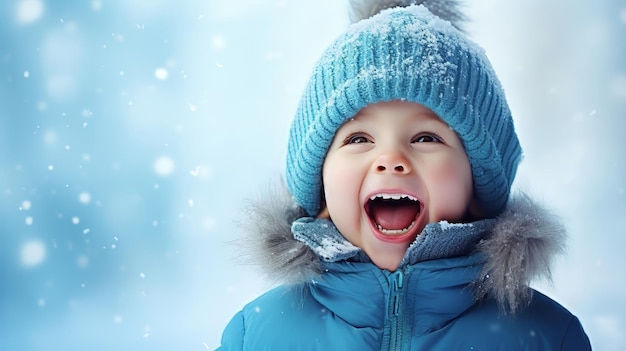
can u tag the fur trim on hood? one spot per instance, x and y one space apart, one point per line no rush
519 249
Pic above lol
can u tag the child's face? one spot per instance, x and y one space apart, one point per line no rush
398 149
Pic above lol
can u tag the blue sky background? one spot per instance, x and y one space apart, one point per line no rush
133 132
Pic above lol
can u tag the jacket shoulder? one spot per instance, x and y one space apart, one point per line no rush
266 323
557 323
233 335
542 325
275 320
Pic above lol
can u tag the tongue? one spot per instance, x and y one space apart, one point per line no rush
394 216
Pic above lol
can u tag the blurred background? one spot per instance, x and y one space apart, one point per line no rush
132 132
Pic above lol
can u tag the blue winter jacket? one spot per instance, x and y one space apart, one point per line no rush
460 287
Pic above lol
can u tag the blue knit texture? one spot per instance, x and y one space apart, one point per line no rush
406 53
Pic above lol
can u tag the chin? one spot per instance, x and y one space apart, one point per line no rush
387 255
387 264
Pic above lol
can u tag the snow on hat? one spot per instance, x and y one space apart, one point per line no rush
406 53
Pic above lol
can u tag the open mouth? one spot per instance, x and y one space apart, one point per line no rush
393 214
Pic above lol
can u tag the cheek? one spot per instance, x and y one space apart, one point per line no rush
457 174
342 179
336 180
452 189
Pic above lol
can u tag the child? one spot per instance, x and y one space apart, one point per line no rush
402 237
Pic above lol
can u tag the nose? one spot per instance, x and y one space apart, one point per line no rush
393 162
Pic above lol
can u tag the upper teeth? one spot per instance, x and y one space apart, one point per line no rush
386 196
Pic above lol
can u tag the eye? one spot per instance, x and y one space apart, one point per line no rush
356 139
427 138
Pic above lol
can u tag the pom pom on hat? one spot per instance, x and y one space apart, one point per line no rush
445 9
406 53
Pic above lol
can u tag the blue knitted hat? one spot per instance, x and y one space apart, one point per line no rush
406 53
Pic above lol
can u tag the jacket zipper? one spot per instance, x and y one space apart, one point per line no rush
395 309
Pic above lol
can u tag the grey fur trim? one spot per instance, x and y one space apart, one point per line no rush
270 244
447 10
520 249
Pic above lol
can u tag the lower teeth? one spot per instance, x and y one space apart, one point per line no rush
395 231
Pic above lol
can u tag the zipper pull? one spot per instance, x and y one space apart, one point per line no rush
397 282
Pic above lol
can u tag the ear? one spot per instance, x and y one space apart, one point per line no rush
323 213
474 211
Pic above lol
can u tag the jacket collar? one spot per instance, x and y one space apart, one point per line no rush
437 240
